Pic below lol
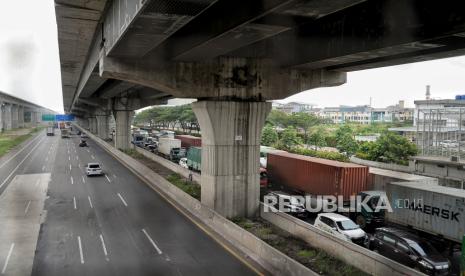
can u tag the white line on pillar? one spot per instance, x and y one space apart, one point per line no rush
74 202
122 199
8 258
104 247
27 207
80 250
152 242
90 203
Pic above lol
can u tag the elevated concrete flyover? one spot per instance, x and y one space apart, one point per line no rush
18 113
233 56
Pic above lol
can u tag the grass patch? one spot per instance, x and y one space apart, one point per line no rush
183 184
299 250
133 153
9 140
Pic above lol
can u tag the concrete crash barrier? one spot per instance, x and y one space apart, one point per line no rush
169 165
357 256
272 260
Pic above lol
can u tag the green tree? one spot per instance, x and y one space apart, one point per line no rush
278 118
317 139
345 141
391 148
289 139
269 136
303 121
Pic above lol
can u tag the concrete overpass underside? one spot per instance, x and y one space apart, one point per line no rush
121 55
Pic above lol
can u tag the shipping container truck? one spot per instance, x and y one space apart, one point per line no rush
321 177
429 208
171 148
188 141
194 158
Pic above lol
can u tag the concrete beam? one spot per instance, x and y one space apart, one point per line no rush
233 78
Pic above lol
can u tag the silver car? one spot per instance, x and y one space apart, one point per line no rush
93 169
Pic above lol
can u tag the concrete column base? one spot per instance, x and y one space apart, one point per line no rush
14 116
21 116
231 133
123 120
93 125
8 118
102 126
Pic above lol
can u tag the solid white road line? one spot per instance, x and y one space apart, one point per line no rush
27 207
22 161
69 158
80 250
92 156
74 202
122 199
16 154
90 203
152 242
8 257
70 167
104 247
83 179
114 175
72 180
107 178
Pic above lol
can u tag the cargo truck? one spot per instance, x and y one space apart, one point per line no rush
64 133
50 131
171 148
429 208
194 158
314 177
188 141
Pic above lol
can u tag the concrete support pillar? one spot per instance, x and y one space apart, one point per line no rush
14 116
21 116
93 125
102 126
8 117
34 118
2 117
123 120
231 133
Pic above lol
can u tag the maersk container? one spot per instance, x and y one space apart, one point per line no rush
429 208
194 158
165 145
188 141
316 176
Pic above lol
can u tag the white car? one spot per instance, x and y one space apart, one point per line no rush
83 135
341 227
93 169
183 163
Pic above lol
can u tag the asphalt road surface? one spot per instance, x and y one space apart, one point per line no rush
109 225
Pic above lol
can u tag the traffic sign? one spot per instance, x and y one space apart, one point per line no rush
64 117
48 117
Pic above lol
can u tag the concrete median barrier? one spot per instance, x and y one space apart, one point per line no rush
357 256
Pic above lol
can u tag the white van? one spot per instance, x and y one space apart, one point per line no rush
341 227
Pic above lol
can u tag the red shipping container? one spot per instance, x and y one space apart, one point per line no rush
188 141
316 176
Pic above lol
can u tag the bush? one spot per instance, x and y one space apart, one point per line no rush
319 154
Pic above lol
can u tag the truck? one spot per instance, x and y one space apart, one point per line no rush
194 158
50 131
188 141
429 208
171 148
64 133
310 176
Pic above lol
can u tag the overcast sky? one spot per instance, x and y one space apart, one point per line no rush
29 67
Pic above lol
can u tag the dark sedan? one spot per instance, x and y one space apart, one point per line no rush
409 250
